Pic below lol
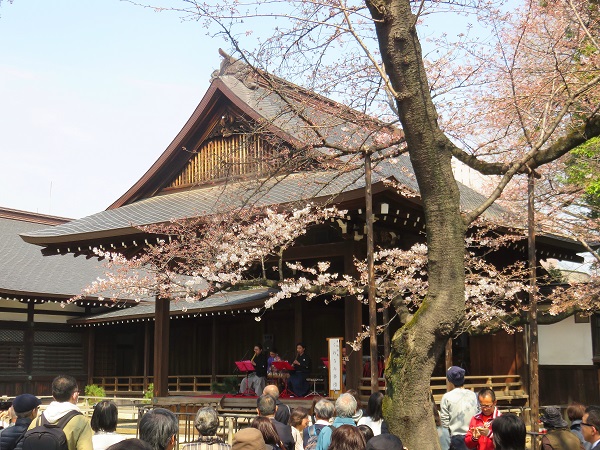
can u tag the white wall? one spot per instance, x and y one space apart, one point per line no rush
566 343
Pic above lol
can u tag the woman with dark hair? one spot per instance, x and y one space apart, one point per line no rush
268 432
366 431
374 417
298 422
508 432
347 437
104 423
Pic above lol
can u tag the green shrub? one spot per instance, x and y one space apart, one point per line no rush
94 392
149 394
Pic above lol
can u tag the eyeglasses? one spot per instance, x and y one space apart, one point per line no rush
486 406
588 425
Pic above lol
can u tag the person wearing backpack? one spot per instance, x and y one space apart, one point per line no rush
324 410
345 408
25 407
61 425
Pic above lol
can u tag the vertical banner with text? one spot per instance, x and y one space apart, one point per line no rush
336 384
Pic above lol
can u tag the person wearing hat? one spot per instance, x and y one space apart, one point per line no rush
558 437
248 439
457 408
25 407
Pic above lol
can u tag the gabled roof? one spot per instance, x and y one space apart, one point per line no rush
238 88
274 103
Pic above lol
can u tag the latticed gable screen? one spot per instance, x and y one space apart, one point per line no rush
224 157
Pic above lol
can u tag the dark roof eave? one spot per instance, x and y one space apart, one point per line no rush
92 320
71 241
74 239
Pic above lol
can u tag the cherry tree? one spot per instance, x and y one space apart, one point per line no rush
514 89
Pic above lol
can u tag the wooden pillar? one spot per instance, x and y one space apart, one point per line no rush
90 351
213 351
161 347
352 325
534 382
147 352
448 360
387 340
29 343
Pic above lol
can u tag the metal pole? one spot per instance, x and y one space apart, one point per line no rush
371 276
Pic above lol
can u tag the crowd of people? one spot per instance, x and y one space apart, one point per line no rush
466 421
472 421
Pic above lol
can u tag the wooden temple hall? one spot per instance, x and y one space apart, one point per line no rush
242 131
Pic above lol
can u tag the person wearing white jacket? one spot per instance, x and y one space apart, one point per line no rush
77 430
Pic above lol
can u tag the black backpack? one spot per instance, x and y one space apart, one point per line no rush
46 435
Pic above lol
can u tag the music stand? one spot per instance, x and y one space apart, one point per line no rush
284 366
246 367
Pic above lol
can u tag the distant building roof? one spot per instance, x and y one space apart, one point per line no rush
24 272
222 303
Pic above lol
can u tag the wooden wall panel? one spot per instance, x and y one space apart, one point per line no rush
561 385
498 353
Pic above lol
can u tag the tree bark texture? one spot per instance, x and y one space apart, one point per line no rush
417 346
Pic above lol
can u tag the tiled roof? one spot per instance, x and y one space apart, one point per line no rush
208 200
24 271
224 302
287 108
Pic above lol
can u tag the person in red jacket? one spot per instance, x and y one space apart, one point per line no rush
479 435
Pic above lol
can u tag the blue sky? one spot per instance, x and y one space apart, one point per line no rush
91 93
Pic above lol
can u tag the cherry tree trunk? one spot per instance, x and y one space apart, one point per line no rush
416 347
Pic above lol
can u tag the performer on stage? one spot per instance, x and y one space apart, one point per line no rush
257 379
273 356
303 366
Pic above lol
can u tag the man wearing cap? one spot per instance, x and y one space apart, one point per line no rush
25 407
558 436
457 408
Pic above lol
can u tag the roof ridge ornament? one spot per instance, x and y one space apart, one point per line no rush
237 68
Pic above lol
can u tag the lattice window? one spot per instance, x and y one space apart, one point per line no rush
56 337
54 359
12 336
55 352
225 157
12 351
